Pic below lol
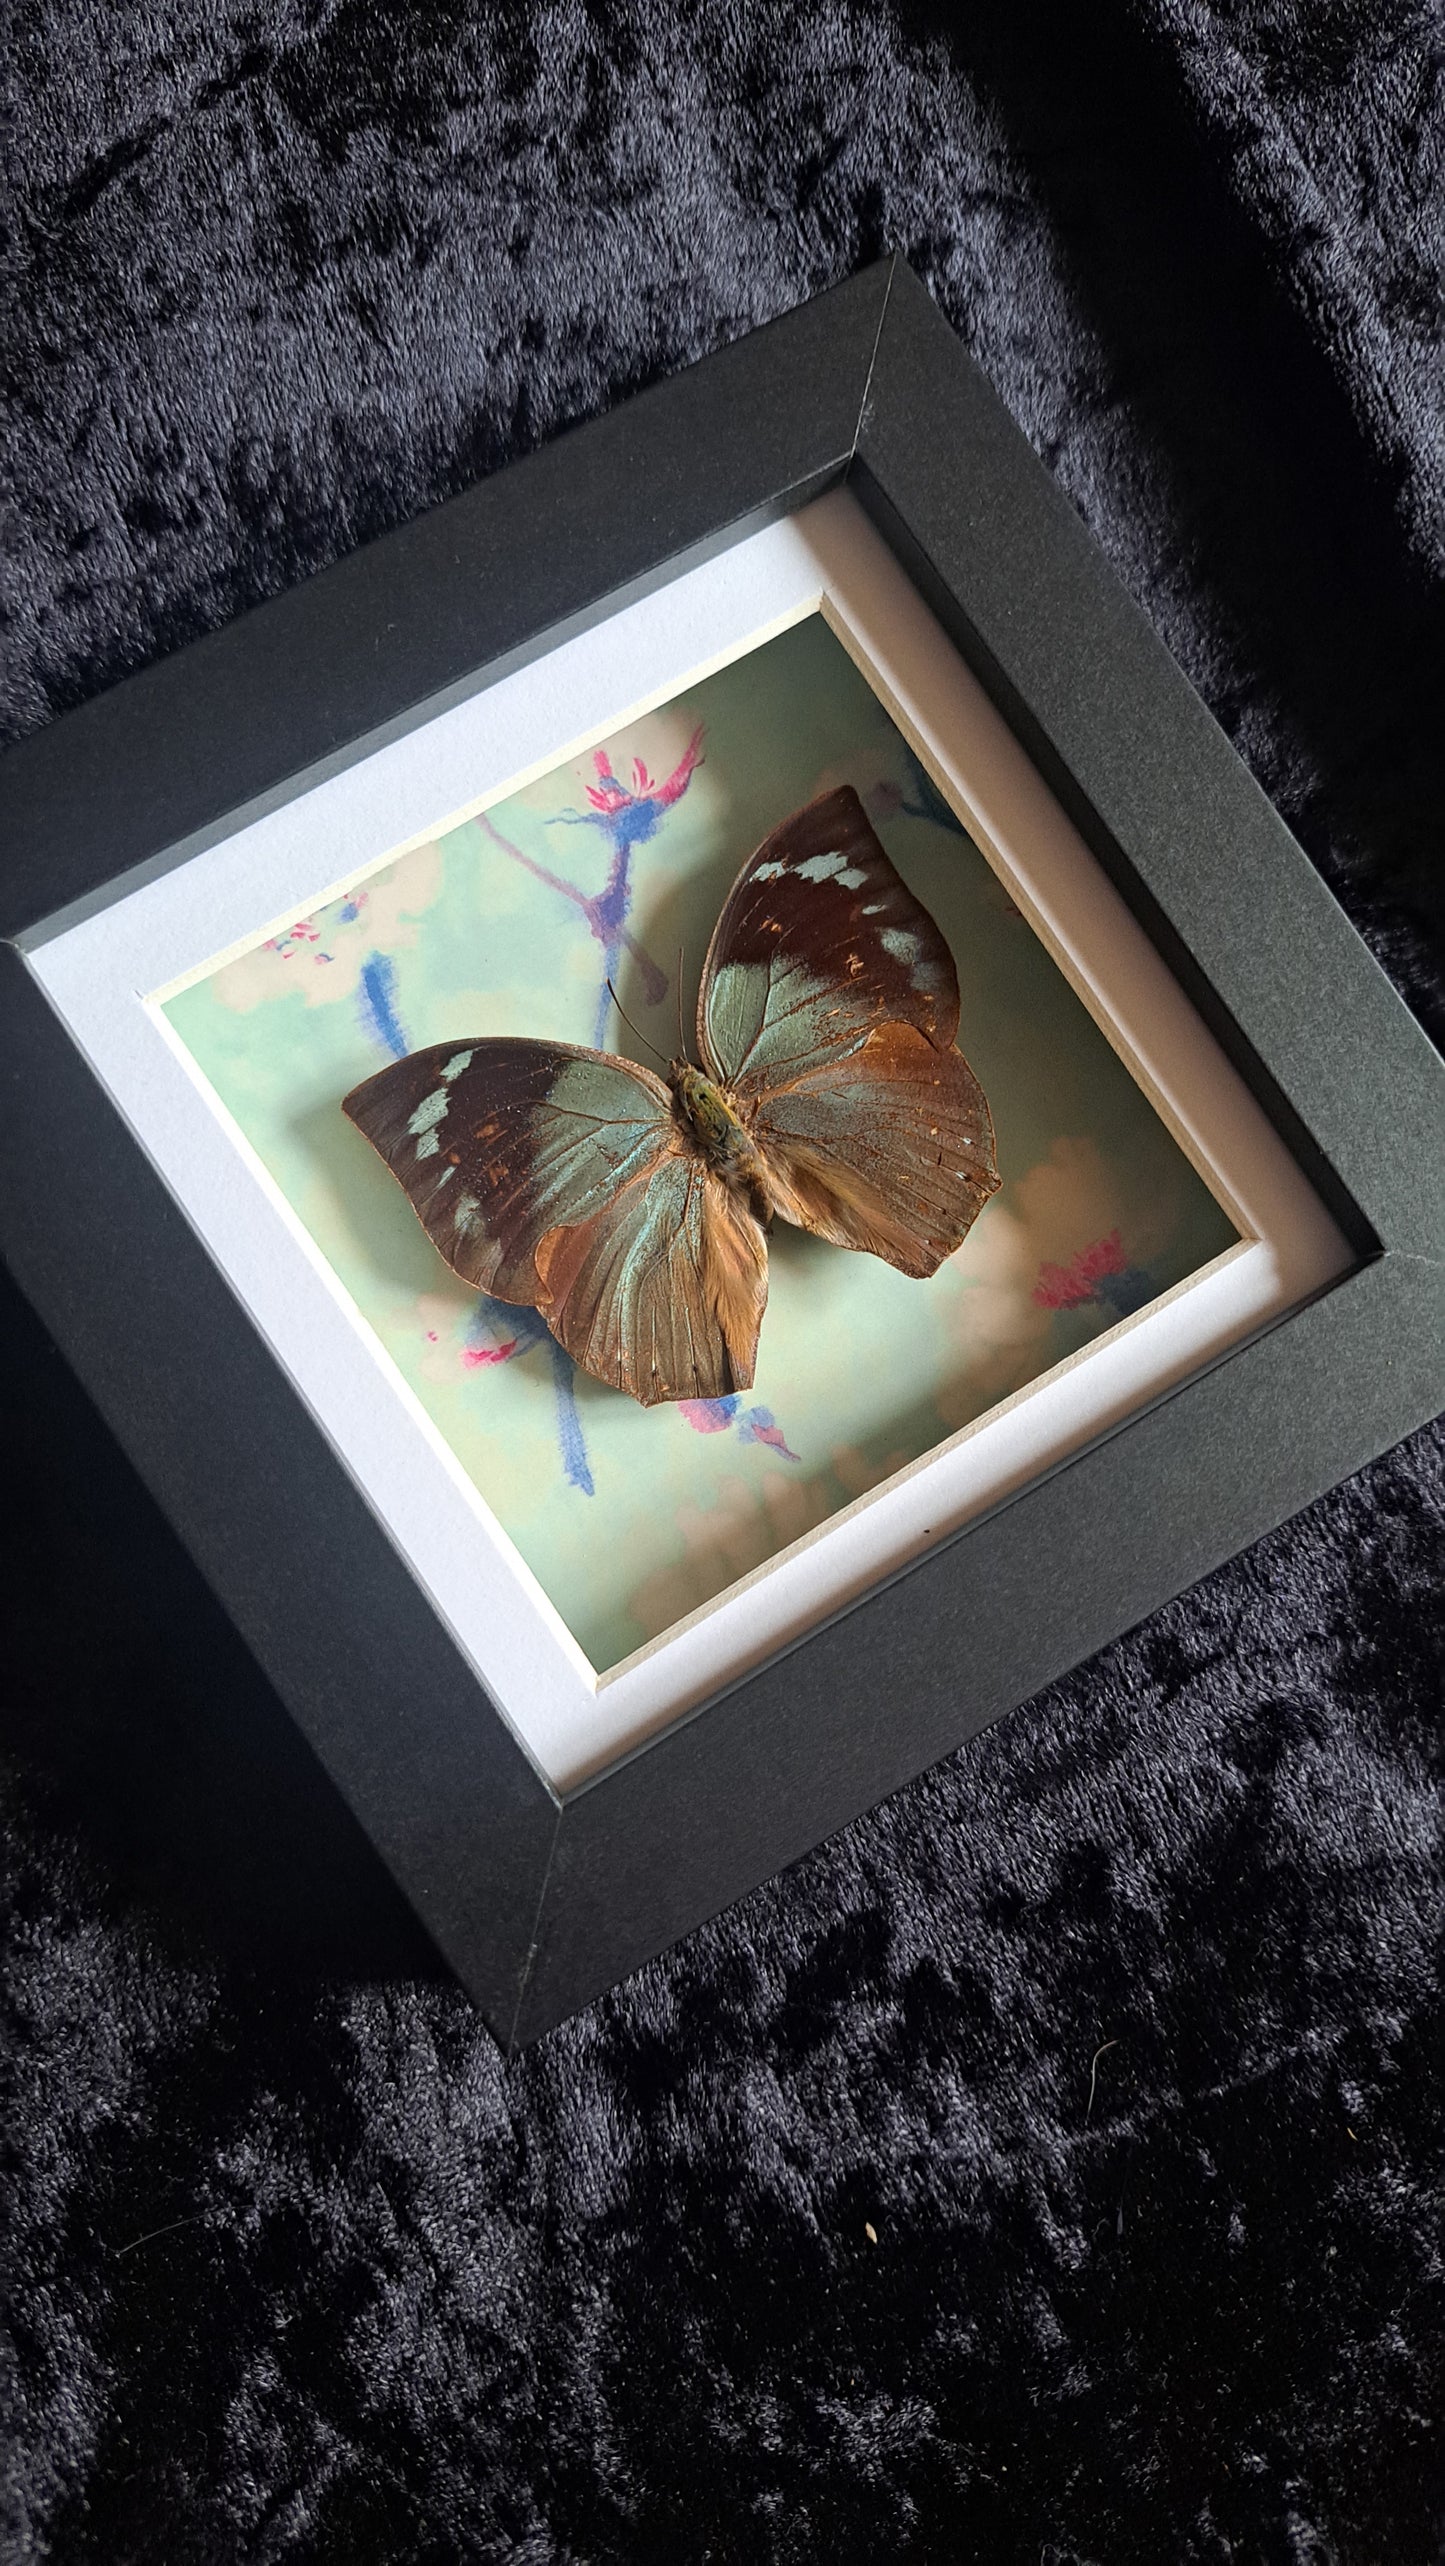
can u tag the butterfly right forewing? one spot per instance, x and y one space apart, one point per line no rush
819 941
828 1011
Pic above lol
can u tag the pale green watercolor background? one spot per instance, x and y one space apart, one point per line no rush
861 1369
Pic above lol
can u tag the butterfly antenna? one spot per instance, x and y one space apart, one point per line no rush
677 986
631 1027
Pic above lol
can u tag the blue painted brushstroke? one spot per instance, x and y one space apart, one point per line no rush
376 998
604 1000
607 912
514 1319
759 1425
569 1425
528 1330
928 803
1125 1293
488 1320
627 816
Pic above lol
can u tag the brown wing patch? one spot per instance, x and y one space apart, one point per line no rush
561 1178
496 1142
830 1004
820 941
892 1152
662 1293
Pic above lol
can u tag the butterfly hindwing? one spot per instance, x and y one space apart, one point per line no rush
828 1011
559 1177
663 1292
891 1151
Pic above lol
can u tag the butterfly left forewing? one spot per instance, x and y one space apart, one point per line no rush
496 1142
828 1011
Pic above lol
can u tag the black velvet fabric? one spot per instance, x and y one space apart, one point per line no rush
1048 2169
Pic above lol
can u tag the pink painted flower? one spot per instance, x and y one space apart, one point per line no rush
1068 1287
609 796
708 1416
754 1425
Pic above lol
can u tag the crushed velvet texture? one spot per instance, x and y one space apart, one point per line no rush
1046 2170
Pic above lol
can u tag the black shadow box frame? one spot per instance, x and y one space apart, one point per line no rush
541 1899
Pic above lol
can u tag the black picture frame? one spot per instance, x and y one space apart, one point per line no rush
541 1899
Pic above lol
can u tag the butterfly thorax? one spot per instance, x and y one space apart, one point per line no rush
722 1138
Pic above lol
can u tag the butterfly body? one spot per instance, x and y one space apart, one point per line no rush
719 1132
632 1213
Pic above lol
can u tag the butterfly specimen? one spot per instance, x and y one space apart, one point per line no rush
632 1213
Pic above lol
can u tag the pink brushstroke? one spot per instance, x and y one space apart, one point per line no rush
758 1426
707 1416
754 1425
1067 1287
608 795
